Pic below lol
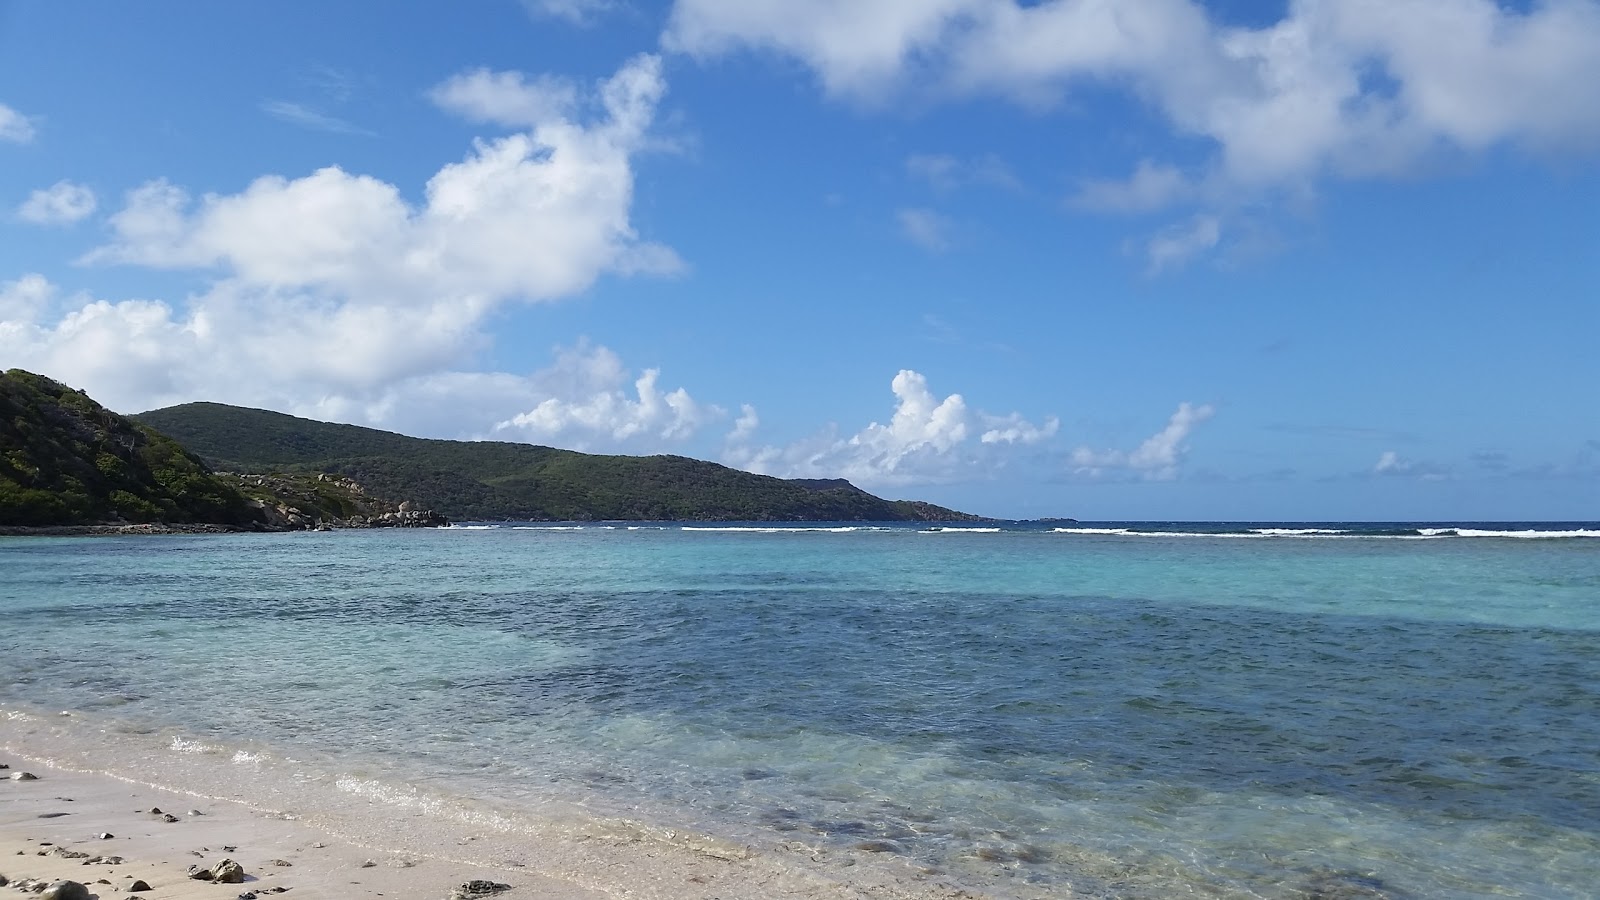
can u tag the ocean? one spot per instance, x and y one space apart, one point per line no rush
1032 710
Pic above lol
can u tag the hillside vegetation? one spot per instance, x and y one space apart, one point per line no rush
492 480
67 460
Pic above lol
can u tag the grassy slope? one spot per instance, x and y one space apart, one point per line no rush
66 460
489 480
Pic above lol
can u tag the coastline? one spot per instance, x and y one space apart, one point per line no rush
372 844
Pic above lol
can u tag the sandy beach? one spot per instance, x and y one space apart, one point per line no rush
109 833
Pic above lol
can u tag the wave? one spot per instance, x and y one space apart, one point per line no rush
942 529
764 529
470 527
1402 534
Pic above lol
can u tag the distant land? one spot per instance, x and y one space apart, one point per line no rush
487 480
66 462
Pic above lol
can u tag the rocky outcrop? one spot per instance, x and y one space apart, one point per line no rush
323 502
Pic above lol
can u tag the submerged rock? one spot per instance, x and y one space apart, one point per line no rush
478 887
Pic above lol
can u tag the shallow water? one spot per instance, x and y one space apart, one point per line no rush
1313 712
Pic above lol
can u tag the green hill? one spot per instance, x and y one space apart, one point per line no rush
67 460
492 480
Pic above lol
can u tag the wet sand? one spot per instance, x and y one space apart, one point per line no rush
52 828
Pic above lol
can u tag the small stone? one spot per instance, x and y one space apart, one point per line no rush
65 890
24 776
248 895
318 845
368 864
230 849
879 847
53 815
155 810
196 812
139 885
478 887
199 874
105 835
196 853
280 862
168 818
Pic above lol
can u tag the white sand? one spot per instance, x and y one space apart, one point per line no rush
67 809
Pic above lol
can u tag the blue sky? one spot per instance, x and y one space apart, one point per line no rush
1150 259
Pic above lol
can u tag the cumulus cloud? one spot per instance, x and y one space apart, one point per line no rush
506 98
14 126
1348 88
587 402
745 425
927 439
62 203
925 228
22 301
329 290
1157 459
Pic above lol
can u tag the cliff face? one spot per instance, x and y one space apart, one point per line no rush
67 460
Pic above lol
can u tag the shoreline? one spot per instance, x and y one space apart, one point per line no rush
371 843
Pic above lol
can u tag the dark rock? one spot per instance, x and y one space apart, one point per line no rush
168 818
53 815
64 853
478 887
139 885
155 810
105 835
3 881
24 776
65 890
879 847
279 862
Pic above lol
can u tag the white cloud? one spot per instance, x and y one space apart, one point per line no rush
331 292
1152 186
1390 462
745 426
857 47
1157 459
1175 246
1014 429
585 402
22 301
506 98
1351 88
925 228
946 173
14 126
62 203
310 117
576 12
928 439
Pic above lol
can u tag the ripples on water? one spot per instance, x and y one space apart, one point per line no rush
1134 715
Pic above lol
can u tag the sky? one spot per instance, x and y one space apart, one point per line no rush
1148 259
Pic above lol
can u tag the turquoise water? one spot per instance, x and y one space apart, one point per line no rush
1223 711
